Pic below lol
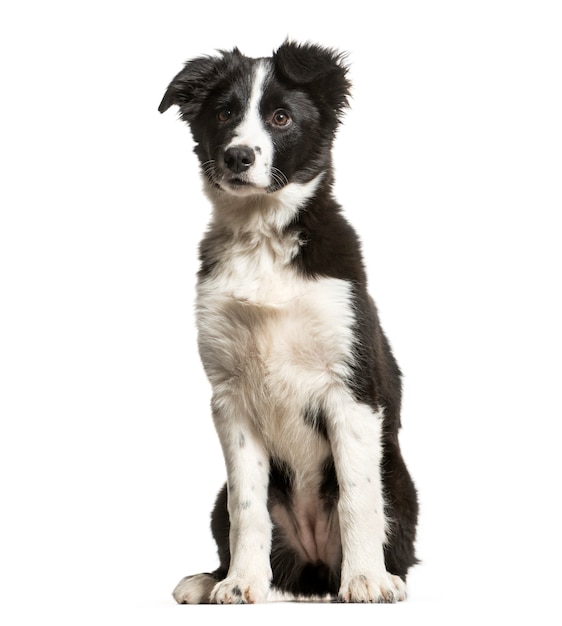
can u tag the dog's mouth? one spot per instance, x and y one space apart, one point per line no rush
237 182
240 185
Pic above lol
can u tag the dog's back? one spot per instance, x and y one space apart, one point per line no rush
306 392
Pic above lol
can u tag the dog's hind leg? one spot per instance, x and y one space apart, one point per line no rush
195 589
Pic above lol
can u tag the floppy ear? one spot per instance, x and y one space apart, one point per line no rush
190 87
317 69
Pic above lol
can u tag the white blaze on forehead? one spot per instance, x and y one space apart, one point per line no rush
251 130
253 133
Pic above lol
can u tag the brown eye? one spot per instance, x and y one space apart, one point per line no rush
281 118
223 114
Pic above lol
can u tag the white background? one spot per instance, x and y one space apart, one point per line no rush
449 165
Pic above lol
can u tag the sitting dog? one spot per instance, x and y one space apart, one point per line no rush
306 392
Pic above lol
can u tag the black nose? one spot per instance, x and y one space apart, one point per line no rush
239 158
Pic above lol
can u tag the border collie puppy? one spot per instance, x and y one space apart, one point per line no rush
306 392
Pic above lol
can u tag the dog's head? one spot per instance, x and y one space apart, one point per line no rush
260 124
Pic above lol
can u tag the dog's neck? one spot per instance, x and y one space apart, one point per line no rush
265 213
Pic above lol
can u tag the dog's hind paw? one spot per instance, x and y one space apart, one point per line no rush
386 588
238 591
194 589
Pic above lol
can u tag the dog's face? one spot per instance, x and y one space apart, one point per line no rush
260 124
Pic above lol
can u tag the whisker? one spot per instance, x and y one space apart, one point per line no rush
208 169
279 177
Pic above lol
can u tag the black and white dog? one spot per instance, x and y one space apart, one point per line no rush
306 392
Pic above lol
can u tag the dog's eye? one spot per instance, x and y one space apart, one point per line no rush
223 114
281 118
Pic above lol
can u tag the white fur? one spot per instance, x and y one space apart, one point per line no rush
260 214
253 315
275 344
194 589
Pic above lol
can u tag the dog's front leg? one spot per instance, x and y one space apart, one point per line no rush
355 437
247 465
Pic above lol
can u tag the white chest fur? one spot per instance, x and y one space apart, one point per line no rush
274 343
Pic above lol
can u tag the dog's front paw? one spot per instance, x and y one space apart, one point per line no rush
234 590
384 588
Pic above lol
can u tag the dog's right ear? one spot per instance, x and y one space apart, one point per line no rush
190 87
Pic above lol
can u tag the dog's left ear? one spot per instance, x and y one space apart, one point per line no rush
317 69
